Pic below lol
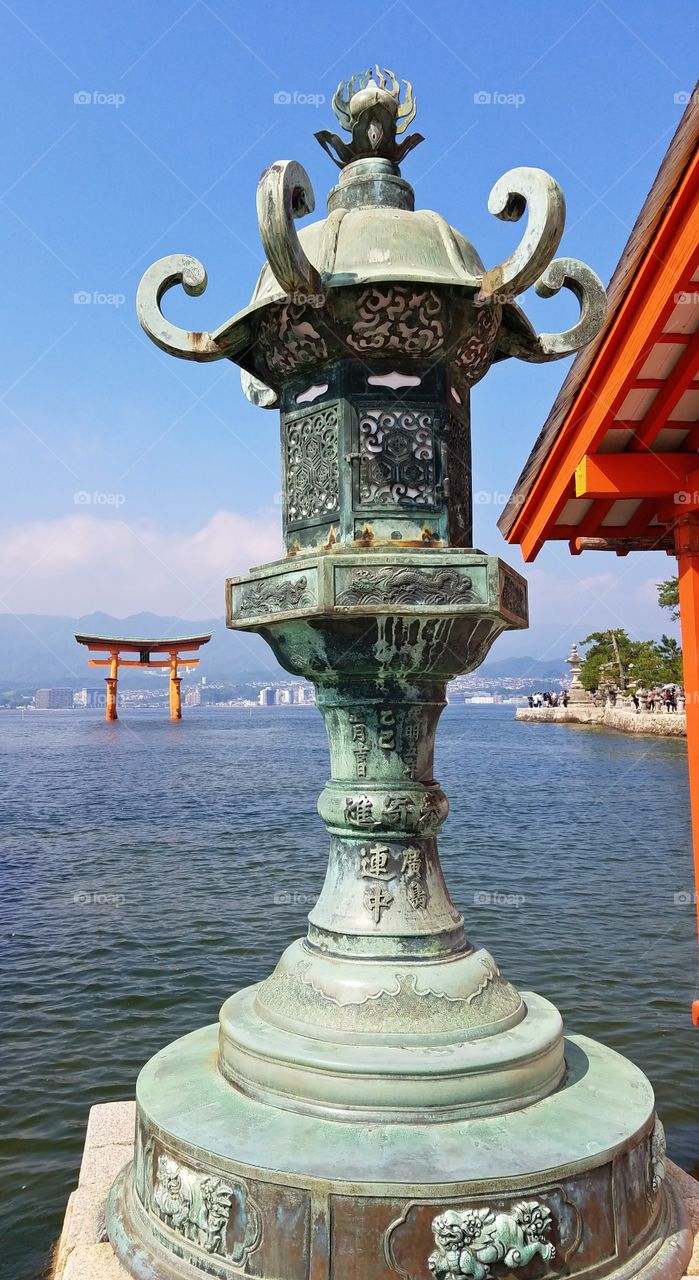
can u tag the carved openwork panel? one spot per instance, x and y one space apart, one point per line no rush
397 458
290 337
398 318
310 459
475 352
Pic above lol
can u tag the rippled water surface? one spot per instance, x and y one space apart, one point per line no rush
141 862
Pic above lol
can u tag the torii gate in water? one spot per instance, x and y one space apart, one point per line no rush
171 649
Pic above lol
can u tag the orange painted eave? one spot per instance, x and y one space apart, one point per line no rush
621 349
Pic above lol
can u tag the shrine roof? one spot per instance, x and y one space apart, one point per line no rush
633 391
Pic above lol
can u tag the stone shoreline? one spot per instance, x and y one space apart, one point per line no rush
658 723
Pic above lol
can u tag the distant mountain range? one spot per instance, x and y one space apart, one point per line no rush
523 668
39 649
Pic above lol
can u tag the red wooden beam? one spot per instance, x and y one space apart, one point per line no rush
635 475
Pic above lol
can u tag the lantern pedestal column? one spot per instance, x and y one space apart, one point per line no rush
386 1092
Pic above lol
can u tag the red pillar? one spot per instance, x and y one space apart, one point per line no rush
111 681
687 547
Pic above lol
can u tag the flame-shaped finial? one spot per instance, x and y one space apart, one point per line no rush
373 113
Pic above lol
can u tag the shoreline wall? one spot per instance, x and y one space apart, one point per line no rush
665 724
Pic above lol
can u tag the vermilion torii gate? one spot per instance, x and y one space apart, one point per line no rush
113 647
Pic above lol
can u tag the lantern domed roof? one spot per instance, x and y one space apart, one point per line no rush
373 234
376 265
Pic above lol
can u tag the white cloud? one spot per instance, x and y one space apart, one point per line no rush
81 563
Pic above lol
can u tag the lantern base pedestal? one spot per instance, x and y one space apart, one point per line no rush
223 1184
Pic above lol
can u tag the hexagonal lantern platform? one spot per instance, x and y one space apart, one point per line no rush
386 1103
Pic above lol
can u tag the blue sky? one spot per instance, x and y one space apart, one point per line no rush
181 472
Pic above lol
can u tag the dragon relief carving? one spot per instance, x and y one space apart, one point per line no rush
398 318
406 586
272 596
470 1242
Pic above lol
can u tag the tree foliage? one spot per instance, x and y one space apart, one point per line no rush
613 657
669 596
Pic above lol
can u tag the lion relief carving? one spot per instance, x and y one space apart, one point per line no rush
471 1241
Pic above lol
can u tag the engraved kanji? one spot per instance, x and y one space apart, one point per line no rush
417 898
412 861
430 809
375 862
387 731
399 809
376 900
358 730
359 810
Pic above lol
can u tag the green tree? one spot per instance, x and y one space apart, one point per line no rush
669 597
670 655
609 656
614 657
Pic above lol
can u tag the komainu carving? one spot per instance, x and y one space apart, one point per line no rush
272 596
310 465
396 458
658 1156
197 1206
470 1242
406 586
398 318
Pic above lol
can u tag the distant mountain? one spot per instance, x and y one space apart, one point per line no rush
41 650
521 668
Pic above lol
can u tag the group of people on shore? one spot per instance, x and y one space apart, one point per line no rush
664 699
548 699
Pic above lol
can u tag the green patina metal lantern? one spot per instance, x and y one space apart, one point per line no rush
386 1103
